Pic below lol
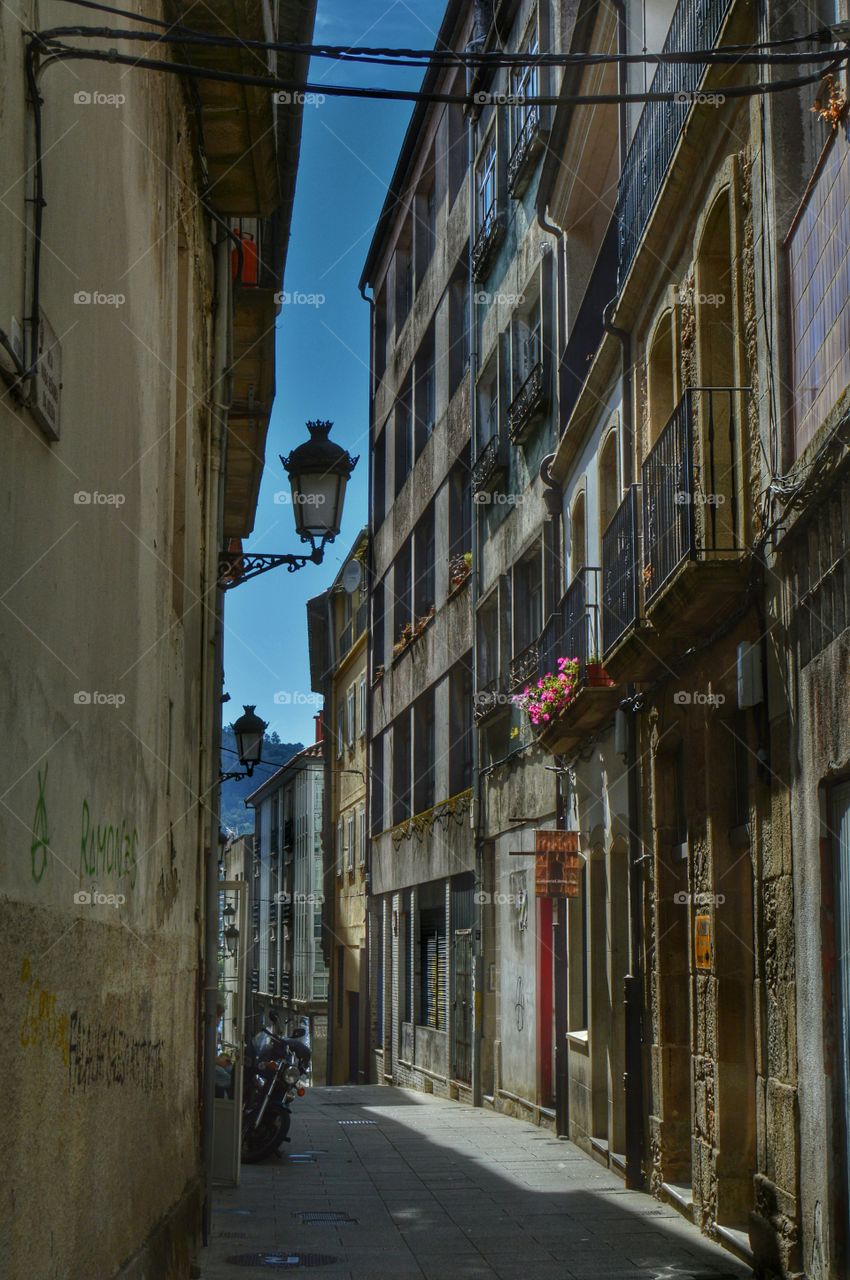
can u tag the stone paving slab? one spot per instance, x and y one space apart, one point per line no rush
442 1190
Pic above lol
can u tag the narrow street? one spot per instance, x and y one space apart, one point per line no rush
438 1189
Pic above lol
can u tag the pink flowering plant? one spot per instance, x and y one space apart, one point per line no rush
545 700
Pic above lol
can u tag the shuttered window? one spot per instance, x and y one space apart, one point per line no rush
432 941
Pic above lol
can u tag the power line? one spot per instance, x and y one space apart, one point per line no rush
60 52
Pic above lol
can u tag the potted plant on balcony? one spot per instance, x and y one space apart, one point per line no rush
596 675
546 699
460 568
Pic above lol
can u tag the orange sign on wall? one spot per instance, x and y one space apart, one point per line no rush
702 941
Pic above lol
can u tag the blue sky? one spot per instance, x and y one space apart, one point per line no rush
348 153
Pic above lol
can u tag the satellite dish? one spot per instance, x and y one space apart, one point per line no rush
352 576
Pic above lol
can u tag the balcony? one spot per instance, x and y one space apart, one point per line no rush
490 466
573 632
526 150
524 667
489 700
487 242
628 646
696 25
693 546
528 405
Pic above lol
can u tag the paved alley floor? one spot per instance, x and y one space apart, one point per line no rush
431 1188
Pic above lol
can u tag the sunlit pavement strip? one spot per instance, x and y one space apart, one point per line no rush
439 1189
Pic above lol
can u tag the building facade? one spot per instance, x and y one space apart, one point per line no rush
288 970
654 378
130 451
337 625
421 850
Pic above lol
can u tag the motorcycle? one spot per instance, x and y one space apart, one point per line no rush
275 1069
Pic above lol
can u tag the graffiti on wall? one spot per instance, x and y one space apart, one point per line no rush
101 1053
43 1024
107 849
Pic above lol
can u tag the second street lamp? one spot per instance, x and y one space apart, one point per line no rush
319 471
249 731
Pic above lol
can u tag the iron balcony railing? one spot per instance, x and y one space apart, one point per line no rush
523 148
524 667
621 569
527 405
488 466
573 629
488 699
696 25
486 241
690 507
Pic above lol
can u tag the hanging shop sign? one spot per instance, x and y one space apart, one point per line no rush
702 941
557 864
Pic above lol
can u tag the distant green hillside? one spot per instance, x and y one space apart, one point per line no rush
234 816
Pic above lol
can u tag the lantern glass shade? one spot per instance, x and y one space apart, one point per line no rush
229 912
318 474
231 939
249 730
317 499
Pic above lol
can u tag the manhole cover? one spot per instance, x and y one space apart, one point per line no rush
299 1157
357 1122
318 1217
283 1261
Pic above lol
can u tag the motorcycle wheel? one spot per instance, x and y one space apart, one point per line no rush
261 1142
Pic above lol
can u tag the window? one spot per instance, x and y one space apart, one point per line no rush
425 391
426 220
339 847
528 601
460 506
379 487
527 344
377 780
661 377
361 822
380 334
424 752
461 730
458 144
485 185
609 488
402 589
378 626
350 716
458 330
525 83
340 731
403 276
488 404
401 767
578 536
350 842
424 551
403 437
340 984
363 707
432 954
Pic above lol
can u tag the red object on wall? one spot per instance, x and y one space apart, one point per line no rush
250 262
545 997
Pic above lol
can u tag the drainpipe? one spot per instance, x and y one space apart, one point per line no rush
364 1040
215 501
554 499
481 24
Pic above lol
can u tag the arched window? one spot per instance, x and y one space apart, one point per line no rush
718 416
578 535
609 484
661 376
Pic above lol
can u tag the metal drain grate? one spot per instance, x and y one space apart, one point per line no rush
282 1261
320 1218
357 1122
300 1157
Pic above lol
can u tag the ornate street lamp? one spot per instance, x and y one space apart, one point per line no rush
249 731
318 474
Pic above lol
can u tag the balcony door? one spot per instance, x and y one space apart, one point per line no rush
840 827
